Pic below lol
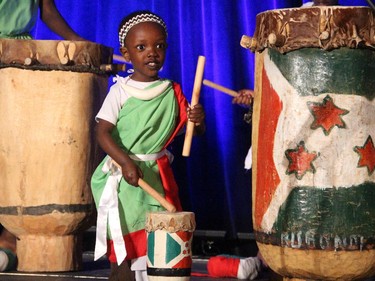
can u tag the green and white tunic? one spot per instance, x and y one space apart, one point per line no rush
149 116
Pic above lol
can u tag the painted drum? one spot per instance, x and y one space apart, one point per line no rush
169 239
49 93
313 142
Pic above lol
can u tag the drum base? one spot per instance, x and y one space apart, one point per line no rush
319 264
296 279
41 253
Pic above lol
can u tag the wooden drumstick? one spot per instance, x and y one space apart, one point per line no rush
194 100
152 192
220 88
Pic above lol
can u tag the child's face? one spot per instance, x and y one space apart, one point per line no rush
145 47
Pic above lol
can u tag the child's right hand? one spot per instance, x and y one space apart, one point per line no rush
131 173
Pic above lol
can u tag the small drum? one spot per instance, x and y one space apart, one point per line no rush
313 142
49 93
169 239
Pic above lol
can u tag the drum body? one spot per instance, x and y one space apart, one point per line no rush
313 142
169 239
48 98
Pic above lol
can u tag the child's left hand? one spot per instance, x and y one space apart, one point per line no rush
196 114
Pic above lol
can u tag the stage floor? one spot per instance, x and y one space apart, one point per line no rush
99 270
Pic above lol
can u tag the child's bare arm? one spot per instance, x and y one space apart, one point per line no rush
130 171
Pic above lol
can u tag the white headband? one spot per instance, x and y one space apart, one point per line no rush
136 20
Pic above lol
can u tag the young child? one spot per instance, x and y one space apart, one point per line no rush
139 118
245 98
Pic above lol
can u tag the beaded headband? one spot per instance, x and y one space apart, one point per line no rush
136 20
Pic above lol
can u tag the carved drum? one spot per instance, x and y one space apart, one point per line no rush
313 140
49 93
169 239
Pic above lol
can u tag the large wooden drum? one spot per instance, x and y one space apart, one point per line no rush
49 93
313 140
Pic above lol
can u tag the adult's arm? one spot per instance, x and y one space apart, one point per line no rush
53 19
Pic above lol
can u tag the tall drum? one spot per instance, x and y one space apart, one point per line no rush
313 140
49 91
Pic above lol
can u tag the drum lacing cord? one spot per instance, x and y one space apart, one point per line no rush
371 4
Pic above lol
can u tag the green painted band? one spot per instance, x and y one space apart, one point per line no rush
313 71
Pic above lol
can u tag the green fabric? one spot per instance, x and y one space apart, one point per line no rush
12 259
17 18
143 128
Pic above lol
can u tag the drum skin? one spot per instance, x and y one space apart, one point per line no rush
47 151
313 142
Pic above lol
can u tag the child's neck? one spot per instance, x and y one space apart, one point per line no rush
147 81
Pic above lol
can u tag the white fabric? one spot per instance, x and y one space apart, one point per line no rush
249 268
249 159
148 94
4 260
153 156
139 263
108 212
117 96
141 275
139 266
148 157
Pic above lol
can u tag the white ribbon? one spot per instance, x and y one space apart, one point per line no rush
153 156
108 207
108 212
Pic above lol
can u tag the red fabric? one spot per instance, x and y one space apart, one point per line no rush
169 182
221 266
166 173
135 243
183 105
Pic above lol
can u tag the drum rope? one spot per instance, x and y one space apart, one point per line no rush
371 4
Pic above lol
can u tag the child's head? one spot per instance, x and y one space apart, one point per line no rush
143 40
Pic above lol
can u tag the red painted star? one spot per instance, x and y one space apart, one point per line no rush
326 115
366 155
300 160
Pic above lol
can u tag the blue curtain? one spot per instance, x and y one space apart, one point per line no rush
213 182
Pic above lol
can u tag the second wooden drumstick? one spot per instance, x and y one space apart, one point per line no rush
194 100
152 192
220 88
